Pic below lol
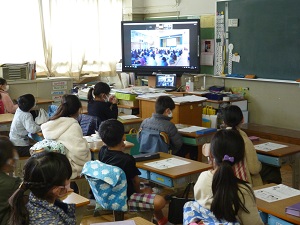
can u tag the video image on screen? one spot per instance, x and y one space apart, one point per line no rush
160 47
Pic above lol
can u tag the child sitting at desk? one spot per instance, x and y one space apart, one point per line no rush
64 128
111 132
219 190
23 124
8 184
160 121
233 118
47 176
102 105
9 106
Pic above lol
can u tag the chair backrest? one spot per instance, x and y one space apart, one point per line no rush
89 124
192 210
153 141
108 183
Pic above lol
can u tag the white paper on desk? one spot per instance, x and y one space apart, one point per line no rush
269 146
276 193
128 117
191 129
167 163
189 98
125 222
153 95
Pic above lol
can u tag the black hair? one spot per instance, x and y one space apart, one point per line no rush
226 187
100 88
6 150
70 105
162 103
111 132
2 81
42 172
232 116
26 102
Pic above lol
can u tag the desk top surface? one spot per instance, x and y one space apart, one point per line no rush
73 198
176 103
6 118
191 134
137 220
178 171
289 150
43 100
278 208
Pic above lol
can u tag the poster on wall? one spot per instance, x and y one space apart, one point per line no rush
207 52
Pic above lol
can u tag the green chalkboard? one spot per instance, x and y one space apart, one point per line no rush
267 37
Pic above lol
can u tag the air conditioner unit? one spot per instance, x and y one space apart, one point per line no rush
15 71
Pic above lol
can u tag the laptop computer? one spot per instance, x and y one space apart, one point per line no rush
166 82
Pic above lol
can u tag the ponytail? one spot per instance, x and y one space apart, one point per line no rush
90 95
19 213
225 204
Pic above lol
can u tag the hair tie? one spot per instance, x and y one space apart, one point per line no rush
228 158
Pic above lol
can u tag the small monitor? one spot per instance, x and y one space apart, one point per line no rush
166 81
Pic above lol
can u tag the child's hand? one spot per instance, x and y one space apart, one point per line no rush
113 99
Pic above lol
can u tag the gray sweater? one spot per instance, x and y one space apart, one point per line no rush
163 124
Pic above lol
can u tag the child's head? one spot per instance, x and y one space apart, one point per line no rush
45 174
230 143
8 155
3 84
163 103
111 132
101 90
69 107
26 102
233 116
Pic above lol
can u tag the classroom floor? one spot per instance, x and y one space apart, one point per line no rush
286 173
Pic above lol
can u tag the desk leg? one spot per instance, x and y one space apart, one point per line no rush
295 164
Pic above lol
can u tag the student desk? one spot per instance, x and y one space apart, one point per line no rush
176 177
185 112
272 133
287 155
131 123
80 203
277 208
6 118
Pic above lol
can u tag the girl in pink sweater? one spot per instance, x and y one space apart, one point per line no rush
9 106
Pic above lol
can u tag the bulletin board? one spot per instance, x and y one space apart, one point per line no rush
267 37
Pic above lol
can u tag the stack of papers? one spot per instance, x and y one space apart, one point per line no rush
128 117
189 98
153 95
191 129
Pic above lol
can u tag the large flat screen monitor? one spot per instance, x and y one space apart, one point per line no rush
150 47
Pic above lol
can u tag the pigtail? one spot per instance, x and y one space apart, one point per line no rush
19 214
90 95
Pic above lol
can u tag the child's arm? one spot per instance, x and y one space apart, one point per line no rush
30 125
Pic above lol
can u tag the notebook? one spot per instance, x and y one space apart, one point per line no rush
293 210
166 82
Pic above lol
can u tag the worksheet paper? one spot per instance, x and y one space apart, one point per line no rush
269 146
276 193
191 129
189 98
167 163
128 117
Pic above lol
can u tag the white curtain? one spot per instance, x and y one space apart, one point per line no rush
64 37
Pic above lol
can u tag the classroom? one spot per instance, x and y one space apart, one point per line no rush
272 96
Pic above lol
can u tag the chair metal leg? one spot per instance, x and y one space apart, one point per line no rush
118 215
